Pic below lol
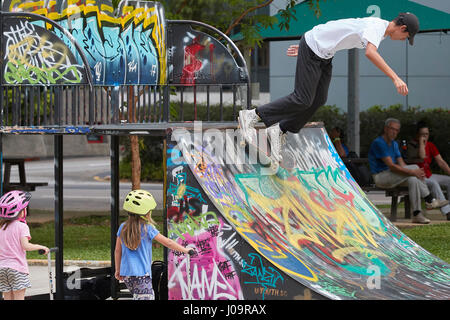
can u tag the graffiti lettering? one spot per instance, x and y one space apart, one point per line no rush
192 224
35 58
266 277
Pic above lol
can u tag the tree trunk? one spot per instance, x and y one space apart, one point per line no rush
134 142
135 163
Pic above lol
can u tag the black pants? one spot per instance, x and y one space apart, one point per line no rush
312 80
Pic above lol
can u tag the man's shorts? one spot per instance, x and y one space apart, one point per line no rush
13 280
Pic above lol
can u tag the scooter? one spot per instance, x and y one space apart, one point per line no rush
49 263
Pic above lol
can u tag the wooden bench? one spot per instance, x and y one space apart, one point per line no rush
22 184
395 194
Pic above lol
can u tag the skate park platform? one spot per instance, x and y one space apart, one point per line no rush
306 231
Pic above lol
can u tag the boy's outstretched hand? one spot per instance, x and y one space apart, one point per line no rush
401 86
292 51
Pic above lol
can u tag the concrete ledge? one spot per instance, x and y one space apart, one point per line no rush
78 263
406 223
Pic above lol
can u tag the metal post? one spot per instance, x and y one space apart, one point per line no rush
165 251
1 164
114 150
166 103
59 255
353 101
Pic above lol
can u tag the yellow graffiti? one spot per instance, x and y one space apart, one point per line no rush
244 229
344 227
148 16
25 51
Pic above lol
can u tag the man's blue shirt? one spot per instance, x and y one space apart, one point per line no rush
380 149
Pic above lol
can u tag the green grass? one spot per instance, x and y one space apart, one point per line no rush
85 238
433 238
88 238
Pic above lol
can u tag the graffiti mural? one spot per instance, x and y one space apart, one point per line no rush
32 55
124 48
198 58
309 232
226 266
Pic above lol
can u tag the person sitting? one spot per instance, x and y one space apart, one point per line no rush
389 170
421 148
336 136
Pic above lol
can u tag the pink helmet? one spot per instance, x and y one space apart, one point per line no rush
11 203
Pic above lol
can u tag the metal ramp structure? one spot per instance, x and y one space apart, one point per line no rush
307 232
78 67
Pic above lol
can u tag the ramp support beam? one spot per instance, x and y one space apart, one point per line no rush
59 216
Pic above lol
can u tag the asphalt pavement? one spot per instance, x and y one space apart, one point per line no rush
86 184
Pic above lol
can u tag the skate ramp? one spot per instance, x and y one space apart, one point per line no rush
305 233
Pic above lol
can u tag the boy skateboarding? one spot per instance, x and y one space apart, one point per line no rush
313 73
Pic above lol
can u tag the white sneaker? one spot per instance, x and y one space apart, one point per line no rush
247 121
419 218
435 204
277 139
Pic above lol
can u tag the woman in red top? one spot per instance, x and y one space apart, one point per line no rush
425 150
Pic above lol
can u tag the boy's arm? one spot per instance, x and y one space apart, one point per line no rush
373 55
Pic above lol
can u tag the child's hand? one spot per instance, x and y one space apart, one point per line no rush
191 251
43 250
118 276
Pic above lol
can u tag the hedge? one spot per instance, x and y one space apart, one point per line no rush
371 125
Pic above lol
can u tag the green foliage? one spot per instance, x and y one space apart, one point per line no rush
151 154
235 15
371 126
88 238
372 122
85 238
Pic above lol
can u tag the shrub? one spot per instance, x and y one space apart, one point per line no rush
371 126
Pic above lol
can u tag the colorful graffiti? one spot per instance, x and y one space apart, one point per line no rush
198 58
133 45
32 55
127 48
309 232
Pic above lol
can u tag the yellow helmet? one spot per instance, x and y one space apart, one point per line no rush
139 202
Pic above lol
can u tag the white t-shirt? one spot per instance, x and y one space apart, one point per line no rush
325 39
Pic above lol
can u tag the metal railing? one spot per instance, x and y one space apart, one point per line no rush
82 105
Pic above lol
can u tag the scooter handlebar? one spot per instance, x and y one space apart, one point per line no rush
42 251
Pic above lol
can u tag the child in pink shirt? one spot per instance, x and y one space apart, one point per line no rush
14 240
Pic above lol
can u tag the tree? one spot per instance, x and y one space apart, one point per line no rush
236 15
233 16
229 16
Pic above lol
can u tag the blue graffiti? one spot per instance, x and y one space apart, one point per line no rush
120 49
265 277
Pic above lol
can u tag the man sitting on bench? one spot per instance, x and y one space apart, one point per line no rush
389 170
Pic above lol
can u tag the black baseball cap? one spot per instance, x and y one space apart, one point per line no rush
411 22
